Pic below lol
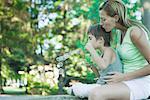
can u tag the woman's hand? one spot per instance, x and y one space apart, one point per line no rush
114 77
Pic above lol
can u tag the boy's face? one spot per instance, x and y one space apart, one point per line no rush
95 43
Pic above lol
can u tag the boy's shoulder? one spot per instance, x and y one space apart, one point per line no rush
110 52
110 49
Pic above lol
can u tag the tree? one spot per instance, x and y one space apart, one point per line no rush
15 36
146 7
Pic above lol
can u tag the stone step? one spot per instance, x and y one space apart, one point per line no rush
38 97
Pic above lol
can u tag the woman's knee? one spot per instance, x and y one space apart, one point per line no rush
97 94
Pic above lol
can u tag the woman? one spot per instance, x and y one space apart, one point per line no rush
134 51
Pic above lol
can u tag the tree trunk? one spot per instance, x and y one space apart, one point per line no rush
1 46
1 86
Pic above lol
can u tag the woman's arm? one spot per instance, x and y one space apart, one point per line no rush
139 39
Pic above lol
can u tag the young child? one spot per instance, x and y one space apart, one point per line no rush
108 62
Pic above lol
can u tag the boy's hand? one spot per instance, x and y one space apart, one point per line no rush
88 46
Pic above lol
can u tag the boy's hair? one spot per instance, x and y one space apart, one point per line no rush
97 31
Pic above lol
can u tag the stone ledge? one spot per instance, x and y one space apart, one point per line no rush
38 97
61 97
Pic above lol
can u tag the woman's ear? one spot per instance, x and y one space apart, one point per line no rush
116 18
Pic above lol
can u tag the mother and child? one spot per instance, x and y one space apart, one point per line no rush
125 71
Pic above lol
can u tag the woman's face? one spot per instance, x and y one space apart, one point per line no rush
107 22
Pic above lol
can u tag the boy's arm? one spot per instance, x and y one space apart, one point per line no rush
101 62
95 71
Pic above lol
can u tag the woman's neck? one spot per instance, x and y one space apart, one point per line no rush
123 30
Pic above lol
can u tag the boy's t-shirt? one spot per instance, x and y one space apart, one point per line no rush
114 67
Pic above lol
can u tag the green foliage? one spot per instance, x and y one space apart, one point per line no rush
90 77
93 13
54 90
19 4
39 88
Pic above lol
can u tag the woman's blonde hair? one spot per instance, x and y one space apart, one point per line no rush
117 7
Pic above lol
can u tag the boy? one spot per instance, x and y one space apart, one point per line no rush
108 62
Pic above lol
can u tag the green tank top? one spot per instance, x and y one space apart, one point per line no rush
130 55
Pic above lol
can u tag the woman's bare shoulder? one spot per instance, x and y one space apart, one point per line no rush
138 36
136 33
